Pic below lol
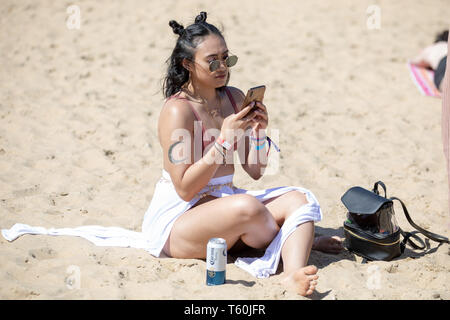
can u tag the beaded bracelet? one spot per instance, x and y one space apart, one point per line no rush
270 141
259 147
257 139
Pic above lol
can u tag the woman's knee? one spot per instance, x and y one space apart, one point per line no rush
299 197
291 201
249 209
295 199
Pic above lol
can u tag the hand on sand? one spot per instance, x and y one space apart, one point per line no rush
328 244
303 281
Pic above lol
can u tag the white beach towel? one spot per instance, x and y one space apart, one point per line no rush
166 206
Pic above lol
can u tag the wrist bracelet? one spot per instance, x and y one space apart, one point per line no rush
259 147
218 146
255 143
270 144
257 139
224 144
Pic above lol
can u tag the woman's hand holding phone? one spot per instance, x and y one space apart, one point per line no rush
253 115
259 118
235 124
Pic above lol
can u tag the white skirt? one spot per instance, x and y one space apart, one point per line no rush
166 206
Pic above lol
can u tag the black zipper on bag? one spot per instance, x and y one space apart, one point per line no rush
365 236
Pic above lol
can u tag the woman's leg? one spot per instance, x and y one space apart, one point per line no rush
234 217
297 247
282 206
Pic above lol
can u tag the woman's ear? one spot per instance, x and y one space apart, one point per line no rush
187 64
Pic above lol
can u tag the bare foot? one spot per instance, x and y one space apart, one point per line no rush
328 244
303 281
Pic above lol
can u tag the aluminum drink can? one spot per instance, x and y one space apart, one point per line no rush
216 261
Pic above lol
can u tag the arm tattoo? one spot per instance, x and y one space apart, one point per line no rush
171 159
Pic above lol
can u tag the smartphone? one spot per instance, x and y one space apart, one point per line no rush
254 94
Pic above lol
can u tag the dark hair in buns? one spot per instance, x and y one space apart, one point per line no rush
188 40
176 27
201 17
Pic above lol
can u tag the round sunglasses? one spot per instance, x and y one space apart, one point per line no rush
229 62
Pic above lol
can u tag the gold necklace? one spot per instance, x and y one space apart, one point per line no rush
216 111
191 97
212 112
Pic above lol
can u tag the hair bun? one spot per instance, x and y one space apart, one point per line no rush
201 17
176 27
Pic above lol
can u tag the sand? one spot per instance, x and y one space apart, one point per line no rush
78 138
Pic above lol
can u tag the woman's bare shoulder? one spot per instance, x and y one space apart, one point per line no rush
176 112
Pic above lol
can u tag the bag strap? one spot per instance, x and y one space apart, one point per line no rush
375 188
408 235
406 239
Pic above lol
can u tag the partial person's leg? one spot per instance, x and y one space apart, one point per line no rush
234 217
439 73
445 85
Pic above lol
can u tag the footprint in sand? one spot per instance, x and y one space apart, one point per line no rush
53 212
26 192
43 253
52 200
123 274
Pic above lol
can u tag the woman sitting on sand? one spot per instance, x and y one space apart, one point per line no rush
196 89
196 200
